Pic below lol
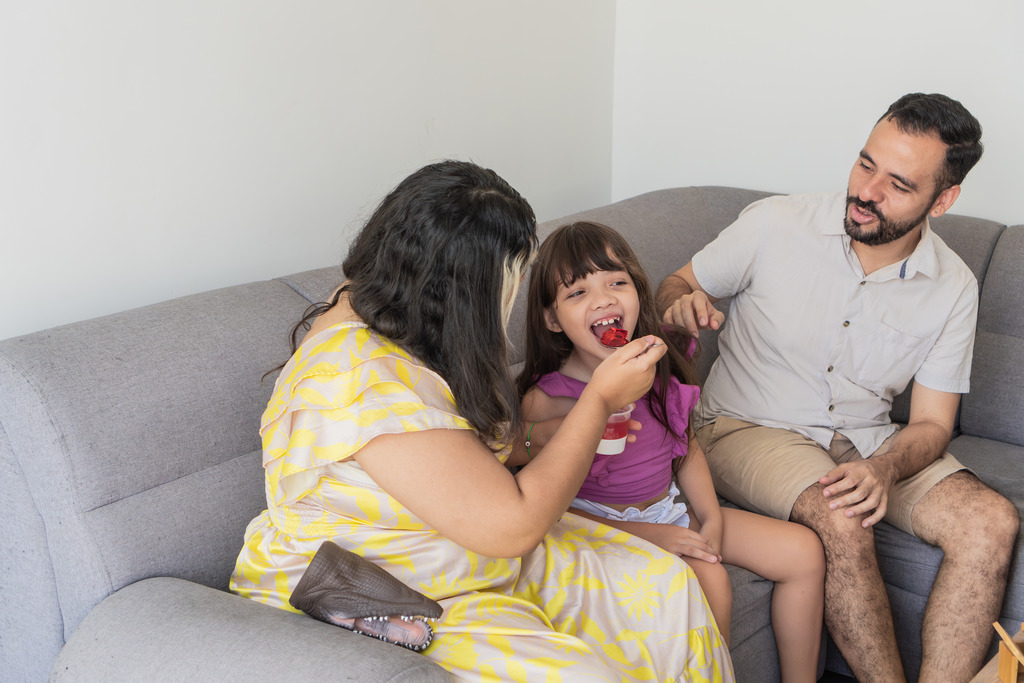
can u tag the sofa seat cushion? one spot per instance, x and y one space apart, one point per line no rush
166 629
752 641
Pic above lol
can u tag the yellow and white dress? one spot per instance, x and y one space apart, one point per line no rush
590 603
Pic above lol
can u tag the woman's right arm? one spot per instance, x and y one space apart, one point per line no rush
542 416
451 481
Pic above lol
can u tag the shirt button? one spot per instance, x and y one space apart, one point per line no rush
863 282
829 369
831 408
846 323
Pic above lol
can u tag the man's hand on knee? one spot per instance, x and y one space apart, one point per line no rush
842 536
860 488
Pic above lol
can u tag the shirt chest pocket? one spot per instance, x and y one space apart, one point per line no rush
885 359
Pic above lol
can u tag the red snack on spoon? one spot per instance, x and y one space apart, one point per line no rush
614 337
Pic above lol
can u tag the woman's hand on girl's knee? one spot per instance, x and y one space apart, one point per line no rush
701 550
680 541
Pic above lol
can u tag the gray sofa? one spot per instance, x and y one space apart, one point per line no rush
130 465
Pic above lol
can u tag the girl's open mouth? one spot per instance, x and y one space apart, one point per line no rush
610 332
601 326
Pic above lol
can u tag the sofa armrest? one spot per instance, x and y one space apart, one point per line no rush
166 629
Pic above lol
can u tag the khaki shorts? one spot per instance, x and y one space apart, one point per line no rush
765 469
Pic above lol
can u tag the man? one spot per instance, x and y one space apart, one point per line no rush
839 302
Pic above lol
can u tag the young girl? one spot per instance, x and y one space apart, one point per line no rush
585 281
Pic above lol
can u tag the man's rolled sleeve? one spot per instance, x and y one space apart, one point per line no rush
947 367
724 266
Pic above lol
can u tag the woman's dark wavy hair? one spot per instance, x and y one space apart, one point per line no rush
428 271
922 114
575 251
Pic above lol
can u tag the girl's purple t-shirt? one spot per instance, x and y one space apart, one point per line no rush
644 469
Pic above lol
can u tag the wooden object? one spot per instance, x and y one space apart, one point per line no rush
1008 664
1010 656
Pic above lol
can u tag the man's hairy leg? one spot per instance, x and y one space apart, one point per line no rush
857 610
976 528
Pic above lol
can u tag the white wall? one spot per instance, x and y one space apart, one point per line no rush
781 96
152 150
156 149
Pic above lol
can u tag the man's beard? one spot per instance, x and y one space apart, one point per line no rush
886 231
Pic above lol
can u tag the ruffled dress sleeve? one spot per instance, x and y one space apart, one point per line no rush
682 399
342 389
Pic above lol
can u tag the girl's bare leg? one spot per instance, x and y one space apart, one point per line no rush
717 587
791 556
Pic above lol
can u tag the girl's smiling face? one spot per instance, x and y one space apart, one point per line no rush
591 305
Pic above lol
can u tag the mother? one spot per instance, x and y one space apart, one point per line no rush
386 434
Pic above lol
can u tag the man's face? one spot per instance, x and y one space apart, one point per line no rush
893 184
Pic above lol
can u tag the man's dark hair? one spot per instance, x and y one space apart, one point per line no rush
922 114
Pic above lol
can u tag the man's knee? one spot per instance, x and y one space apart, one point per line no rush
969 515
840 535
991 528
1003 519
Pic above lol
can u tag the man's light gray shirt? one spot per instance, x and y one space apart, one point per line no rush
813 345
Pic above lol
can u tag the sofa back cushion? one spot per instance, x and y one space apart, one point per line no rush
994 407
136 436
973 239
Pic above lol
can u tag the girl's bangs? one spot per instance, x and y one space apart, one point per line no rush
581 258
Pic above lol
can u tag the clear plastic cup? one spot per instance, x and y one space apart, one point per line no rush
613 441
